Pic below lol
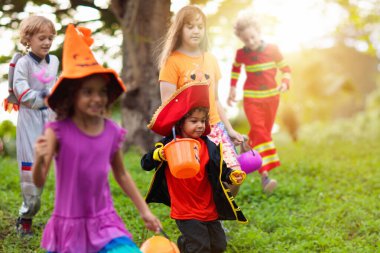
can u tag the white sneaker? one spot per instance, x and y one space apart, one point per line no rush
269 185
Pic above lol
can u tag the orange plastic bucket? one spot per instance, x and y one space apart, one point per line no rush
183 157
159 244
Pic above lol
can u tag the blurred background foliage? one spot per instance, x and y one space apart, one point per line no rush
7 138
335 82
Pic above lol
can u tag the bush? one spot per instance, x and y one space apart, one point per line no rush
8 138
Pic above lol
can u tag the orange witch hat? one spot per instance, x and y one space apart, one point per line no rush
79 62
178 105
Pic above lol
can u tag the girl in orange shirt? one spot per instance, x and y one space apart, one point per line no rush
183 59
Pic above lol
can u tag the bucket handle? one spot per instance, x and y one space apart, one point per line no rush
173 130
145 233
164 234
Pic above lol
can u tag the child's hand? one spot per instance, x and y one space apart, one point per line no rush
236 138
151 222
232 97
158 153
283 87
41 147
237 177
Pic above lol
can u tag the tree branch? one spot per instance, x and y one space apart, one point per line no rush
125 12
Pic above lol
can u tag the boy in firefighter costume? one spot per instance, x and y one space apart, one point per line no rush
261 93
34 75
197 203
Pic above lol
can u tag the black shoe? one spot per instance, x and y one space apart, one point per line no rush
181 243
24 226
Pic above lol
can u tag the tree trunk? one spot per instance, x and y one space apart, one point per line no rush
142 24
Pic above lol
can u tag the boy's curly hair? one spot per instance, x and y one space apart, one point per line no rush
244 20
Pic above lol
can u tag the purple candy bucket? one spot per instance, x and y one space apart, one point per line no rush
250 161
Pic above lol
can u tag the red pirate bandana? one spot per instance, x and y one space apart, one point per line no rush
171 111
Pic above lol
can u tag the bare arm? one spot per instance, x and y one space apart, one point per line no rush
124 179
284 67
45 148
166 90
231 100
235 136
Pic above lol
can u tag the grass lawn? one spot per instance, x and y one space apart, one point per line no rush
328 200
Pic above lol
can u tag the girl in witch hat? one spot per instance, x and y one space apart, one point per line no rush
197 203
85 146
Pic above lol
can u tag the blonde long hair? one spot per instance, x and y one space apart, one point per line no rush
173 38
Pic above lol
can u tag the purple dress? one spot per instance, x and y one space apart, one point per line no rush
84 219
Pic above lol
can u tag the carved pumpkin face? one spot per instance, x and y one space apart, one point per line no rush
159 244
79 62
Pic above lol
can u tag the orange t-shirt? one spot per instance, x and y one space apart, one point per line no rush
181 69
192 198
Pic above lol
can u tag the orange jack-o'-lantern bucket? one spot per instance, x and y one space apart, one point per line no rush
159 244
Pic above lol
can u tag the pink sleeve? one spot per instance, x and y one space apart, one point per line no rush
119 139
55 126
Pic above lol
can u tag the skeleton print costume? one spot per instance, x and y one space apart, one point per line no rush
33 78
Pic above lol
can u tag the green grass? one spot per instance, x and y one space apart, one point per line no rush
328 200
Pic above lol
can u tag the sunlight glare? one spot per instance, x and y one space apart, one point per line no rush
211 7
177 5
86 13
102 3
44 10
298 23
64 4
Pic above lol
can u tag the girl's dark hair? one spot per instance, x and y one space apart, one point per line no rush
180 123
66 108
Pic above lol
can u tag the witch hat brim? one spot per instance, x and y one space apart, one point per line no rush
78 62
178 105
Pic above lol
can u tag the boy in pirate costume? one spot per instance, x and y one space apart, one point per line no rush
198 203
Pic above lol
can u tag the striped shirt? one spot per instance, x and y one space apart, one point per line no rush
261 67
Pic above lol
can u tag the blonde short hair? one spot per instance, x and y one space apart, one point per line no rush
244 20
32 25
